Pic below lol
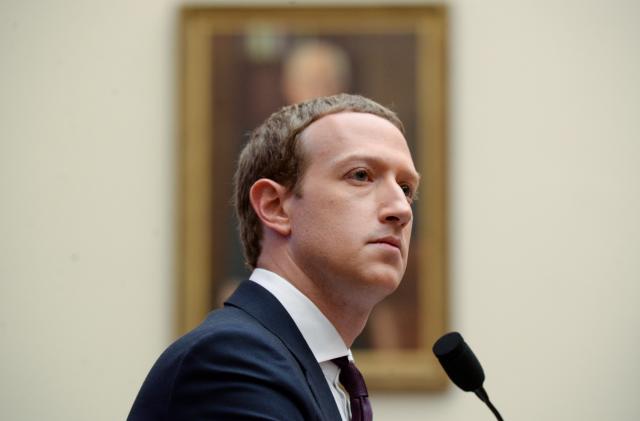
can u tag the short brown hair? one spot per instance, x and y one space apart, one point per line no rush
273 152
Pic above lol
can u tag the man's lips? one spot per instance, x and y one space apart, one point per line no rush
389 240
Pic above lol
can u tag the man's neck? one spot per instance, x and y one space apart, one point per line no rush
347 316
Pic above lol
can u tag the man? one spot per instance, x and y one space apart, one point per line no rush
323 195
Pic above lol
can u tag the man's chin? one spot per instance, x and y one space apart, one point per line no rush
384 280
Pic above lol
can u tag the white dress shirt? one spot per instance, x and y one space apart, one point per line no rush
322 337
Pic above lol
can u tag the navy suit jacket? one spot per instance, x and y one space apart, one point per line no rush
246 361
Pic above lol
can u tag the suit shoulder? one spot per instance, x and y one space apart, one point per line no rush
235 332
227 329
229 356
245 367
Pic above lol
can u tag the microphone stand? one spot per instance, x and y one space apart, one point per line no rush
484 397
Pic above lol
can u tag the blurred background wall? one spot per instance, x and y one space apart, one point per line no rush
544 199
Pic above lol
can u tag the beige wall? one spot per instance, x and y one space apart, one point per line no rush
545 199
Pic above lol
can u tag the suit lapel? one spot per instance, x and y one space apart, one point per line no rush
264 307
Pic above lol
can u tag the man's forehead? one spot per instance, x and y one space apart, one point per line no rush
343 126
346 137
346 119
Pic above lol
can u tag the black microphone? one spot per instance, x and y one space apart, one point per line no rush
462 366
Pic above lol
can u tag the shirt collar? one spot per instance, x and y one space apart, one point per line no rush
322 337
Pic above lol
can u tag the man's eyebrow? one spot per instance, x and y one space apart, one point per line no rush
375 161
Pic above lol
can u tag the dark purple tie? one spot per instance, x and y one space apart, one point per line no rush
353 382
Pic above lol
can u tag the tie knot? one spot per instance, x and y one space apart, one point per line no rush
351 378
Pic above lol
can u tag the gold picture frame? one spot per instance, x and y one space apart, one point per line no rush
398 57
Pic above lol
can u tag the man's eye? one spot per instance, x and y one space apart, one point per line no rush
360 175
408 191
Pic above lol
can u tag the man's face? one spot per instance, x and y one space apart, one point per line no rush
351 222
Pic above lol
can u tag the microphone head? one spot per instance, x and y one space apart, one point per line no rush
459 362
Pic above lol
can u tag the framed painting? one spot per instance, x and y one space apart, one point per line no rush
238 65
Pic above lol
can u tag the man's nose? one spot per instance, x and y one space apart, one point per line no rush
395 207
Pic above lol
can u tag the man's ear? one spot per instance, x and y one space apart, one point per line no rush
267 199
